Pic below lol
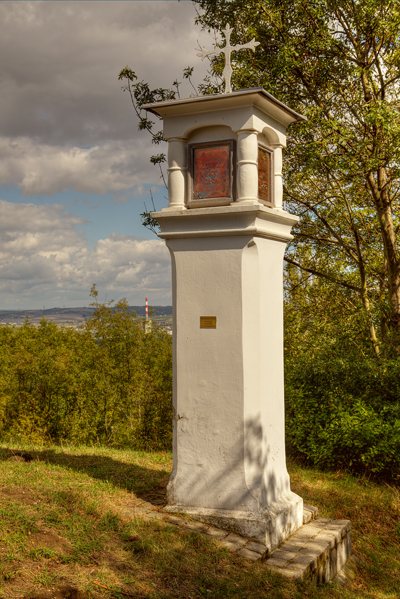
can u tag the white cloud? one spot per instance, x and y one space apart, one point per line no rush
126 261
43 169
43 258
65 124
59 63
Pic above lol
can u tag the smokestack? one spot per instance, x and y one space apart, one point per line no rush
147 309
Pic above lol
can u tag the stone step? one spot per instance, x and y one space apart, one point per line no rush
310 512
318 550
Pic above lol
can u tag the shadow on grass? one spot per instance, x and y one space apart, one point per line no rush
147 483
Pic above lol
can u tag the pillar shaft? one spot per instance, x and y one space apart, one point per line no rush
247 166
229 437
177 168
277 181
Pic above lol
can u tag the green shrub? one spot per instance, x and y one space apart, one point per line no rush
109 383
343 410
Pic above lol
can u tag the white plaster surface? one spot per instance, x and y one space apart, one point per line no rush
229 453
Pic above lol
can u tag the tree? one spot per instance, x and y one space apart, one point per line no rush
131 377
338 63
107 382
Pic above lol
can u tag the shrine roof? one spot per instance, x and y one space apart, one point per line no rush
257 96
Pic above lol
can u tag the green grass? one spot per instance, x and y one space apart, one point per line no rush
69 529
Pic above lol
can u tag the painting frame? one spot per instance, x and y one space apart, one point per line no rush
211 173
265 161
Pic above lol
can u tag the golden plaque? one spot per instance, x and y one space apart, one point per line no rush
208 322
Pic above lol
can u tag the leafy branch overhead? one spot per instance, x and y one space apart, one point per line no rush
140 93
338 63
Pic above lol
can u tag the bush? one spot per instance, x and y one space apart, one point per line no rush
109 383
343 411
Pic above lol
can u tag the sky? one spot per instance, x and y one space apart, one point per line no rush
75 172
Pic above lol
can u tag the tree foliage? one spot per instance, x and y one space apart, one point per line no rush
338 63
108 383
342 404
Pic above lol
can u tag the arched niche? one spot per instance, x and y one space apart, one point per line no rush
210 134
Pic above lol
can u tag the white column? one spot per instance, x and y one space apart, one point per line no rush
177 168
247 166
277 180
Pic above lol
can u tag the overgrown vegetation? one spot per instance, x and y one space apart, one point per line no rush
72 525
342 404
111 383
108 383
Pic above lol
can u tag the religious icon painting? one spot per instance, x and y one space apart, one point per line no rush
211 169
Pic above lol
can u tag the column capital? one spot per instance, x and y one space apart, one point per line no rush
247 130
177 138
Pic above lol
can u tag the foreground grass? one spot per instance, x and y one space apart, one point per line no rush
68 529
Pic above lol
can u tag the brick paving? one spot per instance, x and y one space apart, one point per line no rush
318 550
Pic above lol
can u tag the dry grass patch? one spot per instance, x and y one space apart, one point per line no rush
74 526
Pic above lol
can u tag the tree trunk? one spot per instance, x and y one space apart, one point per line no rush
384 212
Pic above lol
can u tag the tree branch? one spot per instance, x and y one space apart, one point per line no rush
324 275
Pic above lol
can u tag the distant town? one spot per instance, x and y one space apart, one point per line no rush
76 317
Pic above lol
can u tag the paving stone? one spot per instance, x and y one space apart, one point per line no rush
173 520
341 526
232 538
317 545
218 533
336 535
253 555
342 554
198 526
310 512
284 555
257 547
293 545
289 572
305 559
229 545
277 563
327 537
318 550
154 515
297 566
308 531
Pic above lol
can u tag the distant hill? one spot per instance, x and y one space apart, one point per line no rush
72 316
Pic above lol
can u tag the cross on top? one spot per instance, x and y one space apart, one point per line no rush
227 50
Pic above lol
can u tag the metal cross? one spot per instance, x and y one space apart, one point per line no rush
227 50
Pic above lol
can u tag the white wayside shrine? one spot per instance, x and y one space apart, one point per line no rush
227 232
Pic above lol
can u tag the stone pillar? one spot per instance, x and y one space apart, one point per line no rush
277 181
247 166
177 168
229 438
